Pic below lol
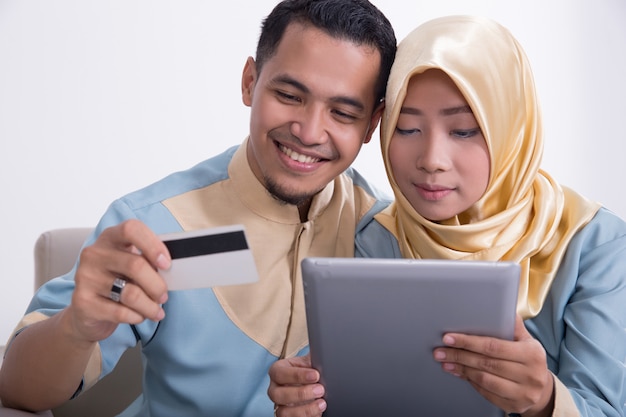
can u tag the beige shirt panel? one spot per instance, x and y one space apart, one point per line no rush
564 405
271 311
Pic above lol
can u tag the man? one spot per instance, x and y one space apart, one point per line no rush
315 91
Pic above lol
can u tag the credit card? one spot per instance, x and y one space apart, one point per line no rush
208 258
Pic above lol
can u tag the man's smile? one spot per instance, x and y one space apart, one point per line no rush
305 159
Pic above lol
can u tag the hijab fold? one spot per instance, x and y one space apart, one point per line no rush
524 216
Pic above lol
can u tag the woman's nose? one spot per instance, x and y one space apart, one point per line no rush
433 156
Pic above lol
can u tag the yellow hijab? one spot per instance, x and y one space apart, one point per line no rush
524 215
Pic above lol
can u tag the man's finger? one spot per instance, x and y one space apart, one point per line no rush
292 371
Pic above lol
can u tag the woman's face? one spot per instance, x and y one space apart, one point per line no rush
438 155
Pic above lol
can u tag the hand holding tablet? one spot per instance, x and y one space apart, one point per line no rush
373 325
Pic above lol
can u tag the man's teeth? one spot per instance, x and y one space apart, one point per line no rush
298 157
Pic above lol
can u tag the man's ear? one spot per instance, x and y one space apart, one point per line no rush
248 81
375 120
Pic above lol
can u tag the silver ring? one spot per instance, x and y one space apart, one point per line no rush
116 289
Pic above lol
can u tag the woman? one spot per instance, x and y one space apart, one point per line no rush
462 143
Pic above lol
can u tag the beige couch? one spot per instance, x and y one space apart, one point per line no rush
56 251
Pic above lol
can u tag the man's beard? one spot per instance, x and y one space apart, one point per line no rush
285 196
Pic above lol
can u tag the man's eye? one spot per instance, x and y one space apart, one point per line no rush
345 116
287 97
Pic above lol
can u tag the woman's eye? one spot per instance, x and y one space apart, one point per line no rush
464 134
406 132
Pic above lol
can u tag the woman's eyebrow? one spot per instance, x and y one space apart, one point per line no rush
411 110
456 110
445 112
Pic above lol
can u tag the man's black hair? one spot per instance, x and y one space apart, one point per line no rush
357 21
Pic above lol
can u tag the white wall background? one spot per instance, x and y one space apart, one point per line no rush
99 98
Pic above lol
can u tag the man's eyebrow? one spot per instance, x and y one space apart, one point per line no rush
285 79
357 104
350 101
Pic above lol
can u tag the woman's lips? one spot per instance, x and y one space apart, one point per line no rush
433 192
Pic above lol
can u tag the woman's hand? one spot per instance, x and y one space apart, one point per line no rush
513 375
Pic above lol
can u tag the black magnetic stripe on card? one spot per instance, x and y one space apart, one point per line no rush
206 245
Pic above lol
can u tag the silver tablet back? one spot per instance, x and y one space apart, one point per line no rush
373 324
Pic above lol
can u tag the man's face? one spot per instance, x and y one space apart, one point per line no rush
311 110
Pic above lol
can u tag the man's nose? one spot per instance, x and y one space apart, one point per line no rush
311 125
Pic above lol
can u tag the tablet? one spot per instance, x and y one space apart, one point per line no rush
373 325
